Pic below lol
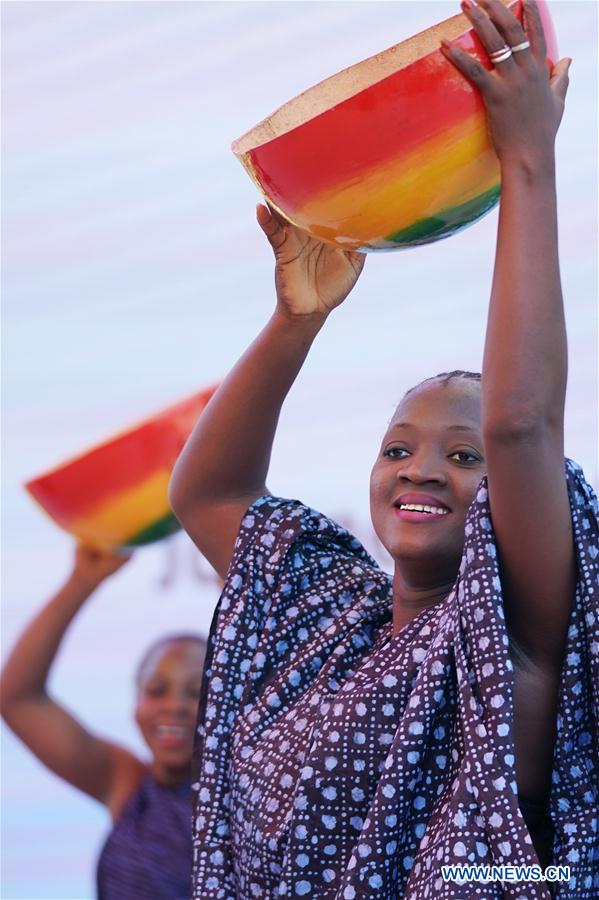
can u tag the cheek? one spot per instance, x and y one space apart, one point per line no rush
142 712
192 706
374 493
139 718
377 483
377 503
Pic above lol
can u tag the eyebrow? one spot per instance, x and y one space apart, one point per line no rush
449 427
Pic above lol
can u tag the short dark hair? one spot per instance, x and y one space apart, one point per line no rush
180 638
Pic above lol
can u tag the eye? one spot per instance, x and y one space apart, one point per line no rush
395 452
466 457
155 690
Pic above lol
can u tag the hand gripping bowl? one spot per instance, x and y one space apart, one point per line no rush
115 495
390 153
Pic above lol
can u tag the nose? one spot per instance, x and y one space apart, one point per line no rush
422 468
176 702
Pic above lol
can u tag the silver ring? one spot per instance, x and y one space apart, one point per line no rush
500 55
523 46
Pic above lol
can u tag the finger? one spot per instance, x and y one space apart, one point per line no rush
123 558
121 553
357 260
271 226
486 29
277 215
507 25
263 215
560 79
533 26
86 551
468 66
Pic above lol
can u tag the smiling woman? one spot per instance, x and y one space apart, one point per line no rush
430 464
126 216
168 681
359 731
148 852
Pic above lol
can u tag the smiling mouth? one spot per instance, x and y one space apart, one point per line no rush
422 508
173 735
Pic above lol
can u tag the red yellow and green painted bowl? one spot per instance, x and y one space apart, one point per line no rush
390 153
116 494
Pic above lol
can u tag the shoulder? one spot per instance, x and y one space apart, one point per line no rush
293 570
272 526
127 774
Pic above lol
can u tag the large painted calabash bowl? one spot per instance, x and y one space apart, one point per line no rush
390 153
115 495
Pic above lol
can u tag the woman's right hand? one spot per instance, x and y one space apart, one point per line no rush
311 277
92 565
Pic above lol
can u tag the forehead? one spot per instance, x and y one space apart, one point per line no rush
185 657
441 405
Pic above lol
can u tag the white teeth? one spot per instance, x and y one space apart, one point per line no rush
419 507
172 729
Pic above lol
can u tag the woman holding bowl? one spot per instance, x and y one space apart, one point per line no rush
360 731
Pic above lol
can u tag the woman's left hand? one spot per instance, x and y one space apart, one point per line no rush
524 101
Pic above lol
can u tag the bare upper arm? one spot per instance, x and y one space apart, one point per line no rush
531 517
213 526
95 766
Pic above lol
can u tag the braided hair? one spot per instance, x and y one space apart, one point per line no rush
444 378
180 638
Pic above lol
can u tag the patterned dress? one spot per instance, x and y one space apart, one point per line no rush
147 855
335 760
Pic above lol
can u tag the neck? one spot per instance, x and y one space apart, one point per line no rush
170 777
410 599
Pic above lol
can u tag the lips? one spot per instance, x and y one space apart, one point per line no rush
173 735
415 507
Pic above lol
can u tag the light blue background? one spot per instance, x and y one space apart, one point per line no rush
134 274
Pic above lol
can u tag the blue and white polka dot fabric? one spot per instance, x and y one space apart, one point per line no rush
337 761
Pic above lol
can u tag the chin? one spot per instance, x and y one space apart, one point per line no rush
174 759
173 763
440 554
410 546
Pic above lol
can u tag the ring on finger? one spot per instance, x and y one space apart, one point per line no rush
495 54
519 47
499 56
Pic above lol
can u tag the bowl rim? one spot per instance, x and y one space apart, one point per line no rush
121 433
349 82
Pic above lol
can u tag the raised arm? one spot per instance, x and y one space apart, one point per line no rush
224 464
524 368
97 767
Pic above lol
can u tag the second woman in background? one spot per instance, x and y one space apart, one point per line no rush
147 855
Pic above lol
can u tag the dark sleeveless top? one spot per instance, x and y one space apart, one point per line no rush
147 855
